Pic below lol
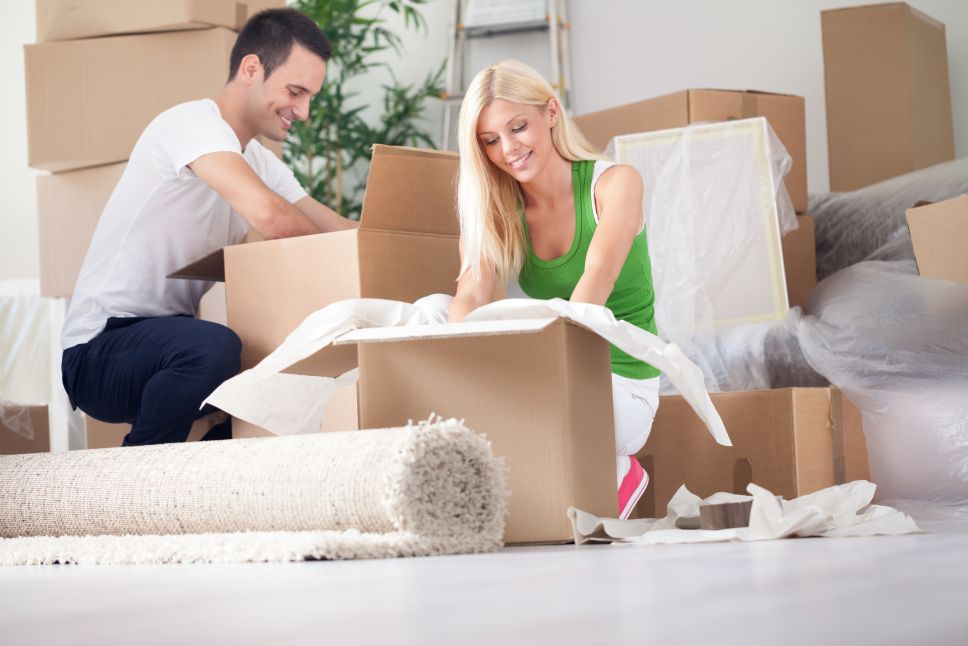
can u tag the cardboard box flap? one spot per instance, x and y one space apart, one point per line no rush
210 267
444 330
746 91
403 191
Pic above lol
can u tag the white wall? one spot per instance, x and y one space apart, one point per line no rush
622 51
18 200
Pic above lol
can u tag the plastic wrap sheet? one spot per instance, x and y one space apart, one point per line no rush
851 226
715 206
752 357
897 344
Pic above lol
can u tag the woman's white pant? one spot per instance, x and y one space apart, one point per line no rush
634 401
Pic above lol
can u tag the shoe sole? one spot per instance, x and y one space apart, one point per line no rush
636 495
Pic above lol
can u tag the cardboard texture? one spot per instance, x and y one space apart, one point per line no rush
406 248
69 206
939 233
784 112
76 82
887 93
800 261
542 397
792 441
13 443
103 435
68 19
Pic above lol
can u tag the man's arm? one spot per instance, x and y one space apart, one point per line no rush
324 217
268 212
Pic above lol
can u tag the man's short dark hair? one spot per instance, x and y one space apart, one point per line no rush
270 34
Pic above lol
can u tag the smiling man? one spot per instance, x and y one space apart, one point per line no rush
197 180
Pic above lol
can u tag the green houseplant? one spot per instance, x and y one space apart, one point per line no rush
330 152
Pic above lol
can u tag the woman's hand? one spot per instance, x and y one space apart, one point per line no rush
618 196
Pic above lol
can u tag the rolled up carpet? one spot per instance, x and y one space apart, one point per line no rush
429 488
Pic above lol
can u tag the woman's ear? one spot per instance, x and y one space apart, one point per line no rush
553 108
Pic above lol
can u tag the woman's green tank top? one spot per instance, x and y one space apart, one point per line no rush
632 299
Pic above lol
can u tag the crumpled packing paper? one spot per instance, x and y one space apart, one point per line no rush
842 510
287 404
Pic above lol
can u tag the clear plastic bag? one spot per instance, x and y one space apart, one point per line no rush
710 277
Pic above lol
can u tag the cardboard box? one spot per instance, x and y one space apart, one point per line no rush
103 435
888 100
69 206
540 391
406 248
88 101
939 233
784 112
791 441
69 19
28 432
800 261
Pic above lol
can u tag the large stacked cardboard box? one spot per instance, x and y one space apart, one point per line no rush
99 73
888 100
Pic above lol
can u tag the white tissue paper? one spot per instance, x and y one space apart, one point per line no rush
287 404
842 510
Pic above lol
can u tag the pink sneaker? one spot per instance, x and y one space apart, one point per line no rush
632 481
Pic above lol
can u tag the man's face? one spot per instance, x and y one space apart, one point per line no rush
284 97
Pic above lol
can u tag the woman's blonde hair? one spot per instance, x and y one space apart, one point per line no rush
490 201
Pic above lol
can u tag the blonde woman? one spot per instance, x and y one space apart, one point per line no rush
539 205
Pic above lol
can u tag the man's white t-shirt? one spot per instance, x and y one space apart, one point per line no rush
162 217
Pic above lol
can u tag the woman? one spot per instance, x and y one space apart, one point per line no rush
538 204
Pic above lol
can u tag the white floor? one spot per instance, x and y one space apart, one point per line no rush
897 590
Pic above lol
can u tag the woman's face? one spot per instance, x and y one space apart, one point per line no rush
517 137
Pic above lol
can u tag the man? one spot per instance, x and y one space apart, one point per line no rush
197 180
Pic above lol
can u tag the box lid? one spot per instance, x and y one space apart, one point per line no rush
403 191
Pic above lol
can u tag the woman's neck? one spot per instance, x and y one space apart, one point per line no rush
551 187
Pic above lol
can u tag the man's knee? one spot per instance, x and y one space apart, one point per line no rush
216 353
226 351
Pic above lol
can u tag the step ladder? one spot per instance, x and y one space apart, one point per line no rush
472 19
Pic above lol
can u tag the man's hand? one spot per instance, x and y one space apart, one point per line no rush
268 213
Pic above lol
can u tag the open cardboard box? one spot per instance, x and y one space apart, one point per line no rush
784 112
792 441
406 248
539 390
939 232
